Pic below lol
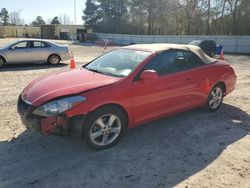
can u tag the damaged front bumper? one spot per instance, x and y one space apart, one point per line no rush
45 125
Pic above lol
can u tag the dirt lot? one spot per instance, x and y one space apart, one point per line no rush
193 149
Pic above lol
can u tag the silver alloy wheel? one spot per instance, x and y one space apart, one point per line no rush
54 59
215 98
105 130
1 62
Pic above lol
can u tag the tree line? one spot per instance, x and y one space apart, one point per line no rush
173 17
14 18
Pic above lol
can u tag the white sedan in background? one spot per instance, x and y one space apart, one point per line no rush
33 51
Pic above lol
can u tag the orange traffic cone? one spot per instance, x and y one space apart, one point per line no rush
72 64
222 55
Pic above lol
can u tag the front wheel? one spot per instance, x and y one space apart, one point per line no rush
104 128
214 99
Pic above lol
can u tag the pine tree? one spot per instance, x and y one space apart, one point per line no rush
55 20
4 14
91 14
38 21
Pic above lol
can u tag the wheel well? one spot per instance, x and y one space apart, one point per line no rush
3 59
117 106
54 54
223 85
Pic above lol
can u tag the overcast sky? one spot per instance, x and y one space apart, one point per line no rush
48 9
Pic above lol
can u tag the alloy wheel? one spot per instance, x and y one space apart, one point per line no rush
215 98
1 62
105 130
54 59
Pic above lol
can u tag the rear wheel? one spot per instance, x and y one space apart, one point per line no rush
215 98
2 62
54 59
104 128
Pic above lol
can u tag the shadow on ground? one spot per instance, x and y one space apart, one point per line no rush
160 154
84 44
28 67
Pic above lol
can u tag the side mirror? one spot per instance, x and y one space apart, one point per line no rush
12 48
148 75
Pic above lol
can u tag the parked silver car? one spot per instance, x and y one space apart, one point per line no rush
33 51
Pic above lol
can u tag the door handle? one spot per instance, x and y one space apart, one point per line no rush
188 79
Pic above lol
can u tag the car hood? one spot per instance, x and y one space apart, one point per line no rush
64 83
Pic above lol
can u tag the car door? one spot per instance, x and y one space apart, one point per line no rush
198 73
164 95
19 52
40 51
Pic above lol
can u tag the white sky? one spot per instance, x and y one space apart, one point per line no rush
48 9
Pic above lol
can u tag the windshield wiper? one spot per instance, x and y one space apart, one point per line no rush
93 70
97 71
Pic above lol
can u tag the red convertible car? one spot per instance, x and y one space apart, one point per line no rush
124 88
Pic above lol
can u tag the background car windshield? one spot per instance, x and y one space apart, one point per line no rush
119 63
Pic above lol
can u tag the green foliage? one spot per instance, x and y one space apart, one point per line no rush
55 20
106 16
38 21
4 15
158 17
91 14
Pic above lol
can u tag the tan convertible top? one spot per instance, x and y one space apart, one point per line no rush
159 47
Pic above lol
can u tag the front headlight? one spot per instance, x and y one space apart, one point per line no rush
58 106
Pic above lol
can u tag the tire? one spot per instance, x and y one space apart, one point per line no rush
215 98
54 59
2 62
104 128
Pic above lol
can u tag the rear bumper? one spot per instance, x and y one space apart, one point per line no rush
65 56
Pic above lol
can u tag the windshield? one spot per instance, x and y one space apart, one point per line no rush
11 44
118 63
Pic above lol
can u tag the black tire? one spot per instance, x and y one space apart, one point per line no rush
91 127
210 106
2 62
54 59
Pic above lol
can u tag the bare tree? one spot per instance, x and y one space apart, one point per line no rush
189 17
48 21
234 8
64 19
208 16
15 18
222 15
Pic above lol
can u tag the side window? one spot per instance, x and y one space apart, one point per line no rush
21 45
167 62
38 44
193 60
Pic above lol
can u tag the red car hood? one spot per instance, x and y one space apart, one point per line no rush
64 83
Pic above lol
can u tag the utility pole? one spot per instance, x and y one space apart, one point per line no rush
75 12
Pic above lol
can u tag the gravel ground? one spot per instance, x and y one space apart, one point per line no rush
192 149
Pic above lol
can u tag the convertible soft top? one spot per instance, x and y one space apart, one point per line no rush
159 47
